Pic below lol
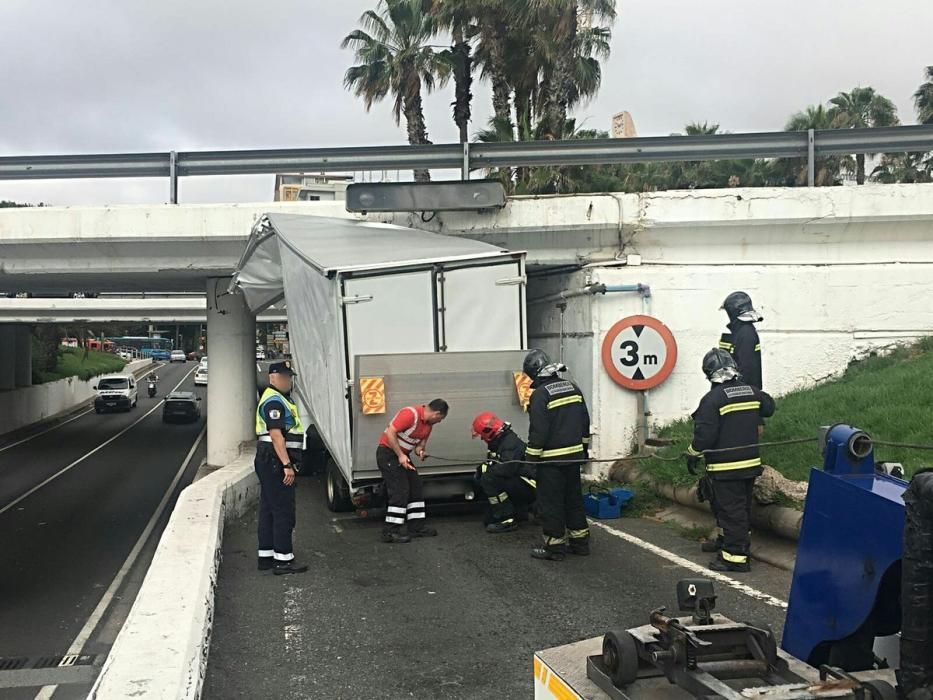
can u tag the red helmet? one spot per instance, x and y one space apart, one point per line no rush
487 425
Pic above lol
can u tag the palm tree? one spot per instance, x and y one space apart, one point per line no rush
903 167
458 17
497 22
562 22
826 169
860 109
923 98
395 57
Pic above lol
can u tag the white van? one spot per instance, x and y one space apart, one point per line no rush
115 392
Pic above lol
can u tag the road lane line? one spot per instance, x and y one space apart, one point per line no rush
56 426
77 646
95 450
694 567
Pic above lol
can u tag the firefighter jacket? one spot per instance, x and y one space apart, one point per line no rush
507 447
559 422
743 344
728 416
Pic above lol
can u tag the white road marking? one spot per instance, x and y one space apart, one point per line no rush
95 450
77 646
52 427
294 639
694 567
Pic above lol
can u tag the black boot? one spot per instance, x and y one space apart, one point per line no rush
395 536
720 564
548 553
289 567
580 546
711 546
499 528
266 563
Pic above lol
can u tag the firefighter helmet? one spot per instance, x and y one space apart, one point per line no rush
719 366
538 365
487 425
739 306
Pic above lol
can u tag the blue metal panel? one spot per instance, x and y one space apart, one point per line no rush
851 536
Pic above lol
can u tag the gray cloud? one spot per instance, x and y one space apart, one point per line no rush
103 75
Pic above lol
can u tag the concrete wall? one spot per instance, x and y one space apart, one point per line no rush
42 401
162 649
837 275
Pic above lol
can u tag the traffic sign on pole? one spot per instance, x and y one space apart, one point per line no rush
639 352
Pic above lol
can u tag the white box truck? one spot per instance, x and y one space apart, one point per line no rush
381 317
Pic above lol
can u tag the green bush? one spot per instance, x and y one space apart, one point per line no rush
76 362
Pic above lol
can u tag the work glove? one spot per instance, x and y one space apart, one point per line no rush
692 462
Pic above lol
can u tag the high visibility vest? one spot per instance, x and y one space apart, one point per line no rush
294 430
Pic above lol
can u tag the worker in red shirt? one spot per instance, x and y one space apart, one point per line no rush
408 432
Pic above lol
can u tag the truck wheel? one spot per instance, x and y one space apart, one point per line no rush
881 690
620 656
335 489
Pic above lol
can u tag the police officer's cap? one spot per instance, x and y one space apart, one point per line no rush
282 368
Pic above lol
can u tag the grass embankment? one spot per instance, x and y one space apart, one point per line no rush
73 363
890 397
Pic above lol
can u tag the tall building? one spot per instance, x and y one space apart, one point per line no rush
623 126
292 187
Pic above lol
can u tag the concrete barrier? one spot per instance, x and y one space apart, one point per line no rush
161 651
41 402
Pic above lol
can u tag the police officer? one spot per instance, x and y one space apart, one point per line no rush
280 438
728 417
558 442
742 340
509 484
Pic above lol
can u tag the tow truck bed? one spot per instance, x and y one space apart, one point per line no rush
560 674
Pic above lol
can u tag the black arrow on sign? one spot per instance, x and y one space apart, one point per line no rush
638 330
638 375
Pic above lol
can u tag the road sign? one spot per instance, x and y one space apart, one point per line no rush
639 352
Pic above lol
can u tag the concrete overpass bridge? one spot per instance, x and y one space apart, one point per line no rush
823 260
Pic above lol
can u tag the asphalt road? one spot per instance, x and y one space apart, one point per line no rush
64 545
458 616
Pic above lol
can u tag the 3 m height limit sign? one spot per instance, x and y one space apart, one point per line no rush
639 352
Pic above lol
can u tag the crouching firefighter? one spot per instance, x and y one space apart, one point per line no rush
558 443
728 418
509 484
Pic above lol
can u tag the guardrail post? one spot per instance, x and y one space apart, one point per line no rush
465 172
811 158
173 177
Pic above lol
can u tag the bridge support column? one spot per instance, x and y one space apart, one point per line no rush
231 385
23 356
7 357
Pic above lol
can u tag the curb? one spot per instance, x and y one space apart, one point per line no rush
779 552
162 648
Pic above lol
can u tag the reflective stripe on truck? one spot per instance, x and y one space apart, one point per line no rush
549 686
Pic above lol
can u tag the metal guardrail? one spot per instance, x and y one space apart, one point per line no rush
473 156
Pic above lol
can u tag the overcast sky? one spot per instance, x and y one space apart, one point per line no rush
144 75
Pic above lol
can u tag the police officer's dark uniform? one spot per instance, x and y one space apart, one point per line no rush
508 483
558 442
276 412
728 416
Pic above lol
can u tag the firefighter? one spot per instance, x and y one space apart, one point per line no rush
558 442
280 440
728 417
508 483
408 432
742 340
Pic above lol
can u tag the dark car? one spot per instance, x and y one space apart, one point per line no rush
181 406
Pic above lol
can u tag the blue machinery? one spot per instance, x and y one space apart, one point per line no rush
847 580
